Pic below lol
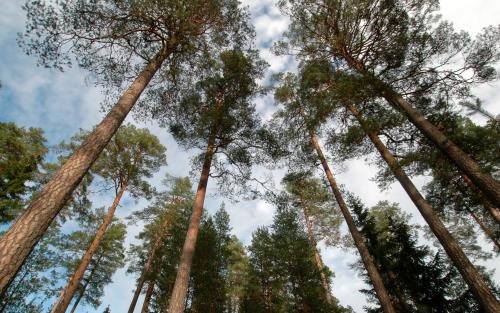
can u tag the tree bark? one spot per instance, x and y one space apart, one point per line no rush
317 256
371 268
177 299
485 229
149 264
494 212
484 181
82 292
147 298
475 281
17 243
69 291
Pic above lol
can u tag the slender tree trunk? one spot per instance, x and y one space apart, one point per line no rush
476 283
494 212
177 299
82 292
484 228
371 268
147 297
317 255
149 264
484 181
17 243
69 291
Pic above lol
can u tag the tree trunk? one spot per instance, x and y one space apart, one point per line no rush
494 212
82 292
147 298
149 263
484 181
69 291
371 268
476 283
484 228
177 299
317 256
17 243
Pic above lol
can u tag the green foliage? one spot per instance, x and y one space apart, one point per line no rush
21 153
418 279
283 276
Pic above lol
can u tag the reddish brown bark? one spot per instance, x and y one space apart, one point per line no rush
69 291
484 181
317 256
17 243
475 281
149 263
82 292
178 297
371 268
147 297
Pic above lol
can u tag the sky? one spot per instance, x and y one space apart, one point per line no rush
61 103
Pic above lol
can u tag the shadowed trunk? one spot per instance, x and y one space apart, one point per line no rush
17 243
317 256
495 212
68 292
82 292
371 268
484 181
148 265
484 228
178 297
475 281
147 297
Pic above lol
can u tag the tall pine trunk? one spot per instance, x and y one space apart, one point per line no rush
484 228
147 297
69 291
371 268
149 264
178 297
475 281
317 257
494 212
484 181
82 292
17 243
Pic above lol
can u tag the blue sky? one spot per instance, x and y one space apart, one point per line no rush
61 103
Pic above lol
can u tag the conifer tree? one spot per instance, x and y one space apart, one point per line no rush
22 151
420 280
120 43
159 218
402 52
133 155
297 124
217 116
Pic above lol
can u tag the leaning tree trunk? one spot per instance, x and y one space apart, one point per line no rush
475 281
371 268
69 291
147 297
317 256
82 292
484 228
149 264
177 299
17 243
494 212
484 181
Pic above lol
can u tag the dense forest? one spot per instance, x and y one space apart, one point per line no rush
389 83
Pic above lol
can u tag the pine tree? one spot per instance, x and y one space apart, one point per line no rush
115 41
133 155
22 151
296 125
219 117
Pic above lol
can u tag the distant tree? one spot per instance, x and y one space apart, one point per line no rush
107 310
120 43
237 274
158 218
296 125
313 200
420 280
133 155
283 275
21 153
216 115
108 258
